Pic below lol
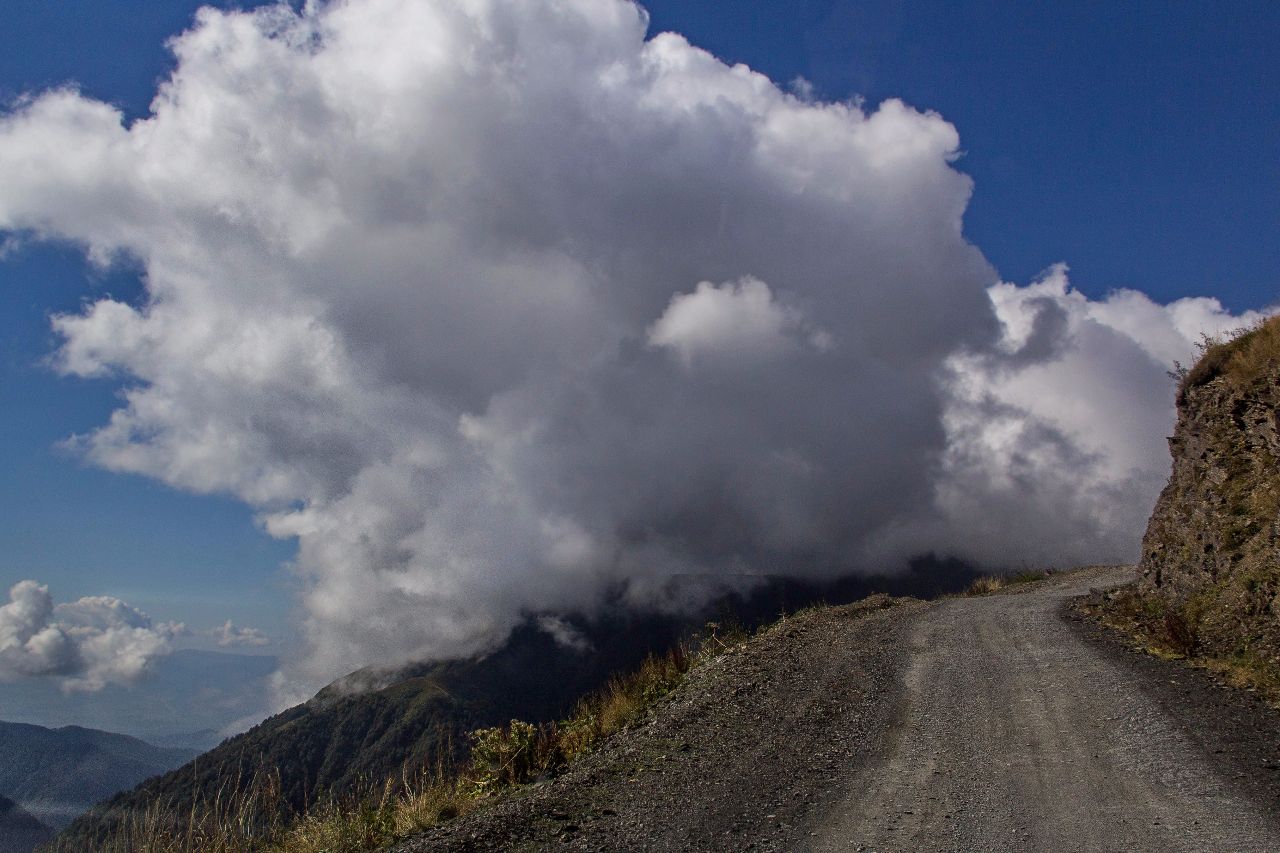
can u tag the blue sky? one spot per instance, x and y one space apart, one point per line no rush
1137 142
199 560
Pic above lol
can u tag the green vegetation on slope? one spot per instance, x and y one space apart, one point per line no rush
291 759
373 726
58 773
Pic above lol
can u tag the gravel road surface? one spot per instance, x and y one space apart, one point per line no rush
1017 735
969 724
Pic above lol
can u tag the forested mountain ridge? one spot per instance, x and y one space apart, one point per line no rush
57 774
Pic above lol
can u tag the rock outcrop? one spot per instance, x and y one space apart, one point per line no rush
1211 553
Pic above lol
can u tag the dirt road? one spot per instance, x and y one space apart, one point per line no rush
1016 735
971 724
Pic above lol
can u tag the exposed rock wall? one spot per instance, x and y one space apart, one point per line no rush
1211 554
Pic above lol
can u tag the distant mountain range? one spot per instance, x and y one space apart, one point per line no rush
190 699
53 775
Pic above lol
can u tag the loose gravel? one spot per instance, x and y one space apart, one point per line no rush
996 723
753 745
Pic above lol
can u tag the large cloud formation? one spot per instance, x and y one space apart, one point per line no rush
88 643
501 308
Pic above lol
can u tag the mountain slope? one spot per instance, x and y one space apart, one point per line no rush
20 832
57 774
373 725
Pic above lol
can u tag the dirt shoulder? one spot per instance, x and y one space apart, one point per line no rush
753 745
1235 729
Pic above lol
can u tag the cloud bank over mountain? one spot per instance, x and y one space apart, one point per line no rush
502 308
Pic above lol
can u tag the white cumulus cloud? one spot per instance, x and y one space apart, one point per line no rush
229 634
1056 436
737 322
88 643
504 308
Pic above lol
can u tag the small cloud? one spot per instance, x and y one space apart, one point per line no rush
802 89
565 634
229 634
88 643
10 244
739 320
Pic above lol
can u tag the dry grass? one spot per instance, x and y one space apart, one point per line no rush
624 700
522 752
236 821
988 584
985 585
247 821
1255 353
366 824
1241 356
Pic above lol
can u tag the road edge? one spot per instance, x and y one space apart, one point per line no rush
1236 731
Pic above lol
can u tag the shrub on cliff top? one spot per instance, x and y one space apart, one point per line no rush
1255 353
1241 357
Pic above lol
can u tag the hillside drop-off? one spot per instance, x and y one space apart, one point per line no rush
979 723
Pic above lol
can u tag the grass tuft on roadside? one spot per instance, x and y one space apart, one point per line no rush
987 584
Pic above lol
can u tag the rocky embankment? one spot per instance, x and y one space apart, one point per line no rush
1210 570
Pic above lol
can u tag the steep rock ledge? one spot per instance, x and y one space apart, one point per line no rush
1211 553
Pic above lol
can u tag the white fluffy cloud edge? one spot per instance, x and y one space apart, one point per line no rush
505 309
94 641
88 643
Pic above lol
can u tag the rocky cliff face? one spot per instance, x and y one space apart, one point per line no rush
1211 554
